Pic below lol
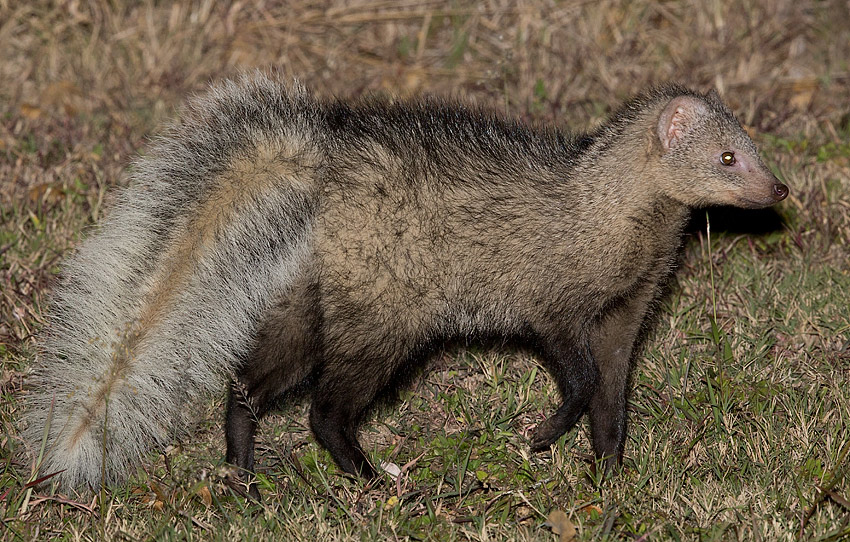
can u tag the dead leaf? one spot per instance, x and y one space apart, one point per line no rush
802 100
51 193
205 495
62 94
591 509
803 87
149 498
414 78
30 111
392 469
561 525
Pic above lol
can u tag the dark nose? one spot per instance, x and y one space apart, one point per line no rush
780 191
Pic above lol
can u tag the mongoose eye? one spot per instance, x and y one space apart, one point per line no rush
727 158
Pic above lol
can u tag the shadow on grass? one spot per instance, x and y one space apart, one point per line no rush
733 220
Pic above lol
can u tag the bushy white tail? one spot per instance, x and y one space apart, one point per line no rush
158 306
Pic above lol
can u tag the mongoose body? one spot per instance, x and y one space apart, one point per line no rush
366 236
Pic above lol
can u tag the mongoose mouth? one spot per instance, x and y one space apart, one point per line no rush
778 193
772 191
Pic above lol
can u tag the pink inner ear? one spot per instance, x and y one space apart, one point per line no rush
678 118
676 128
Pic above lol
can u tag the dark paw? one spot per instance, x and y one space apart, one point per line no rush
241 485
253 493
610 464
546 434
364 471
564 419
355 463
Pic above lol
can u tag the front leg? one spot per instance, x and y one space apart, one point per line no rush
572 366
612 342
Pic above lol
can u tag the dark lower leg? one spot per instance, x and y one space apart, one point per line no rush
564 419
608 424
613 345
335 427
240 428
577 376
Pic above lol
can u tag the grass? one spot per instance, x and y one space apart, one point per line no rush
740 407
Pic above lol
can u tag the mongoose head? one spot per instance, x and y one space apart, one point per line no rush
711 158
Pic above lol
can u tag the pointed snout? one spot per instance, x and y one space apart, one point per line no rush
762 190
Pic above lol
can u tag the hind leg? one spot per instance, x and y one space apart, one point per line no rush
348 386
249 400
240 426
286 357
334 423
575 372
340 402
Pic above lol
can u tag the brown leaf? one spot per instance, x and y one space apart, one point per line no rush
51 193
148 498
561 525
802 100
62 94
803 88
205 495
30 111
590 508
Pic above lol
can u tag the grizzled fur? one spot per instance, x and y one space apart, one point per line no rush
335 247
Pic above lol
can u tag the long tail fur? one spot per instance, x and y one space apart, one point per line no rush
158 305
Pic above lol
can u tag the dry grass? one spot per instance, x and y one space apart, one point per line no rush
741 433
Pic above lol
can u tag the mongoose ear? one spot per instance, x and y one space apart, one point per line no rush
713 95
678 118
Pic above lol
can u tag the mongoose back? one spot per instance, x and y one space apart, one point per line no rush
289 242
